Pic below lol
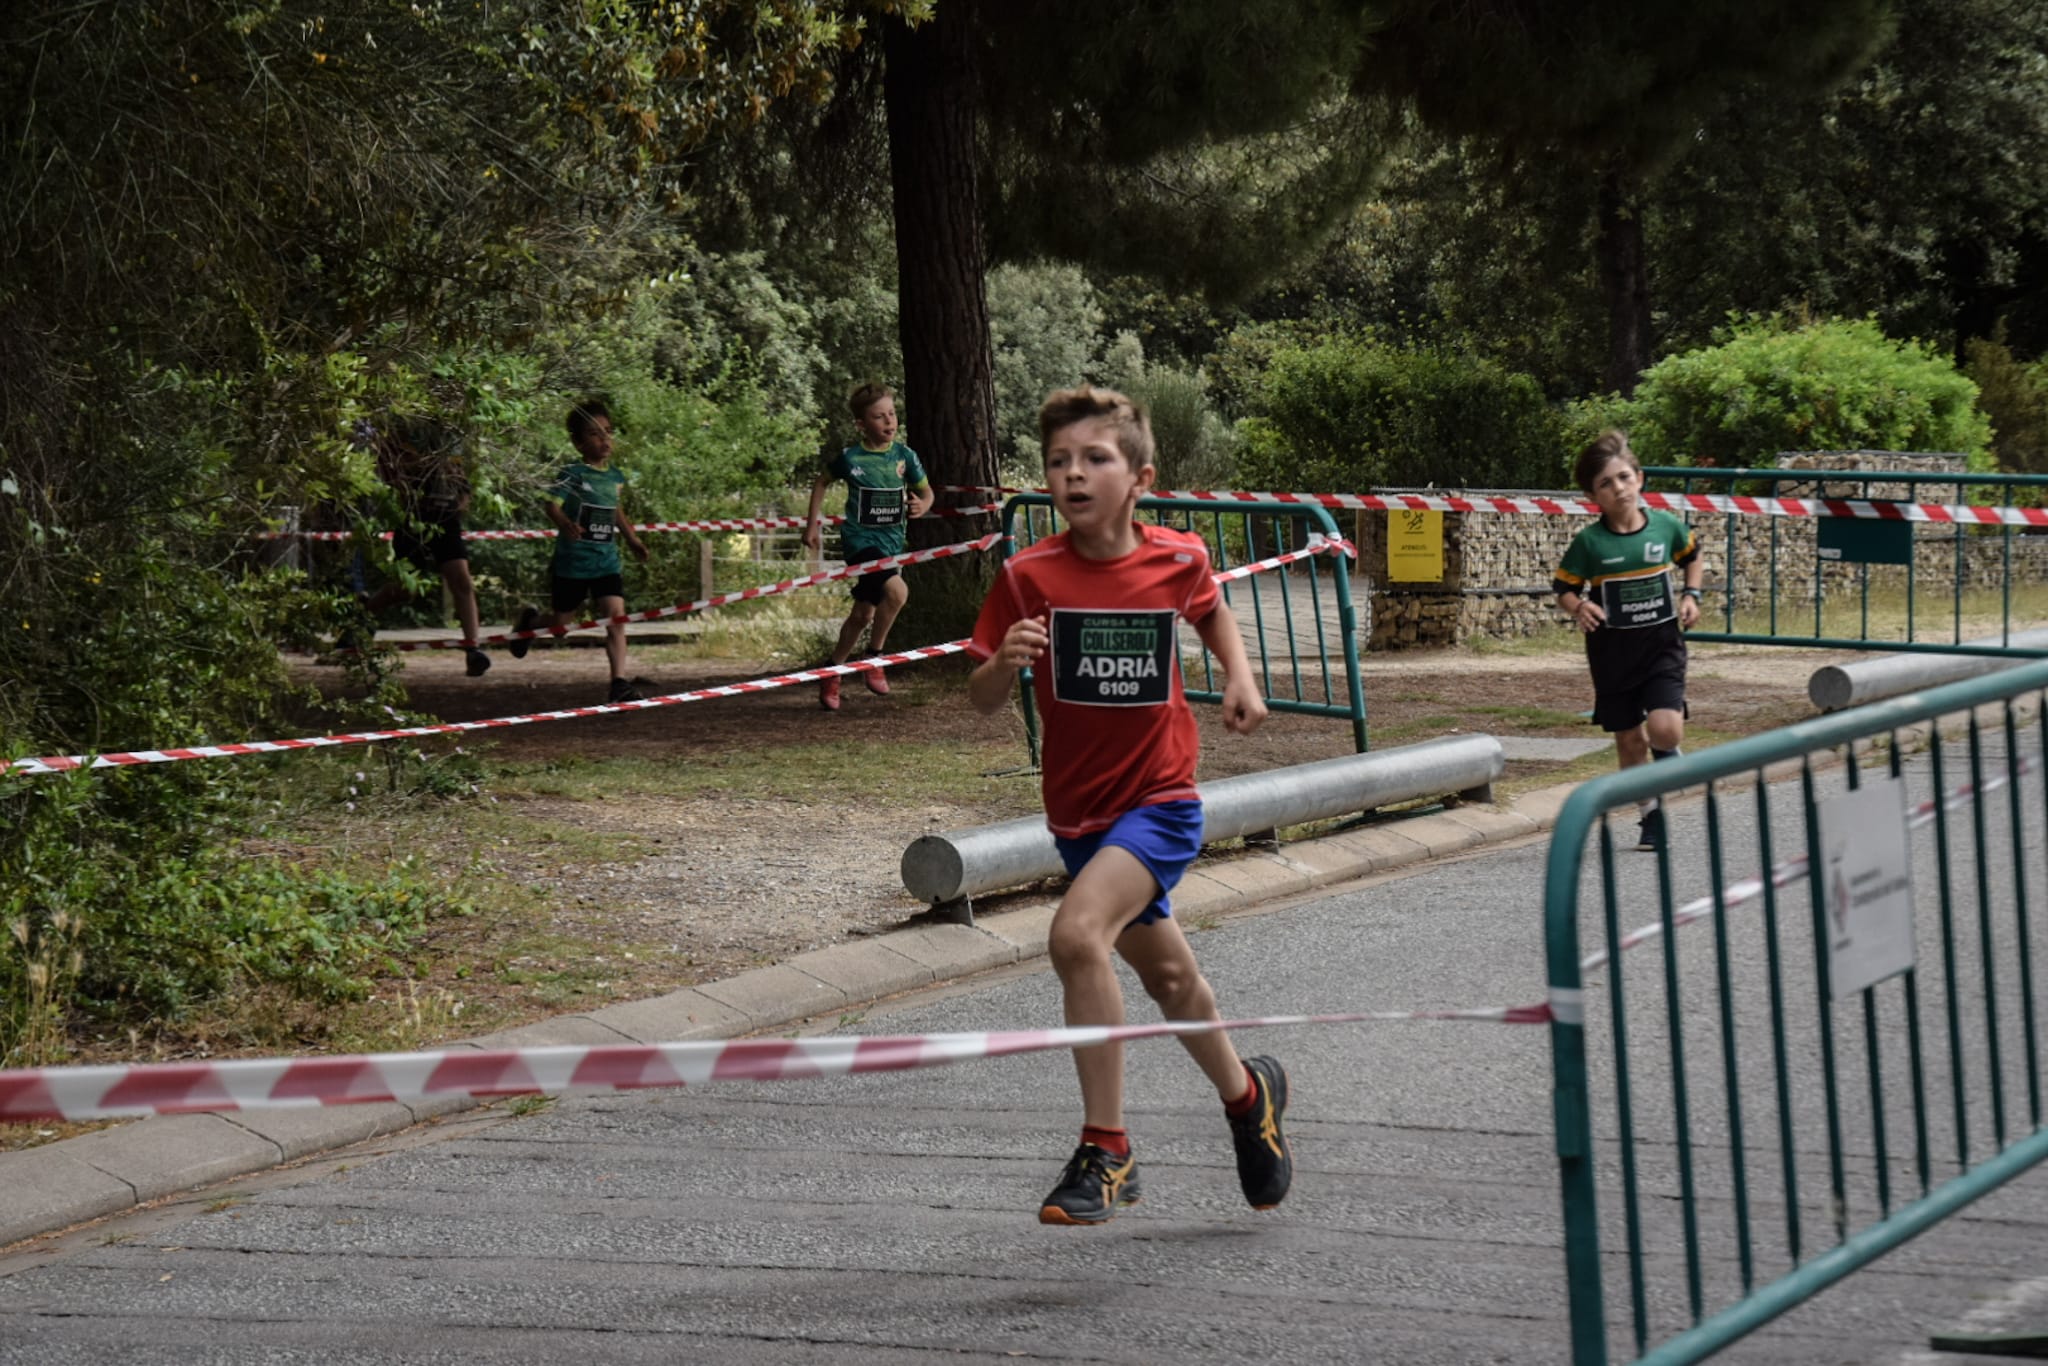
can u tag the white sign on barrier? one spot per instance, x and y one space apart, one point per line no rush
1866 885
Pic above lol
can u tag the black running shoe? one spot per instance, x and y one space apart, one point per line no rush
1092 1188
624 691
479 663
1265 1168
527 616
1650 834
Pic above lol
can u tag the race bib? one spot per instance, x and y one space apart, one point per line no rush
877 507
1112 659
599 524
1635 603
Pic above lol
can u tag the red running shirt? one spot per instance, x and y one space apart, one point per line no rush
1118 731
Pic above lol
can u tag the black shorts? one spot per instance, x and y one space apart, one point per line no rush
868 588
440 543
1657 683
566 595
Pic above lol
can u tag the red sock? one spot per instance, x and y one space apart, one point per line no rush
1115 1142
1244 1103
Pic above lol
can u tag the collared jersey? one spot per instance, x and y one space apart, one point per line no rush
589 497
1118 731
878 487
1633 576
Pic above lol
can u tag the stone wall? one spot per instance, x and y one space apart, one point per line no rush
1497 566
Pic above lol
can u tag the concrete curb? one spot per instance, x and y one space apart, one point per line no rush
47 1189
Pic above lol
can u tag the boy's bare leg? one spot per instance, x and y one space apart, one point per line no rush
614 634
1631 747
1665 730
461 587
849 633
1165 963
1111 890
894 594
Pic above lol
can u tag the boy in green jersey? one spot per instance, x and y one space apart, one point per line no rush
1618 583
587 506
885 487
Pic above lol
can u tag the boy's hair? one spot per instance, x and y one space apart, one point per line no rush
583 417
867 396
1611 444
1126 416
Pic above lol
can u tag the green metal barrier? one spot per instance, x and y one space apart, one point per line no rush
1305 618
1743 1136
1780 581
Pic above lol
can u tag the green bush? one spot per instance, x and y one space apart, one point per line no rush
1774 385
1348 413
2014 396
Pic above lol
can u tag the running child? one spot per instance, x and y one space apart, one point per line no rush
885 486
1095 609
1618 585
587 505
422 462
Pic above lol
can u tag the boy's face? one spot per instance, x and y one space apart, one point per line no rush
1092 482
878 424
594 444
1615 488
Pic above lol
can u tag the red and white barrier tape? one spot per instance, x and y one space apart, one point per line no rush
1789 871
1868 509
81 1093
709 524
34 767
64 763
718 600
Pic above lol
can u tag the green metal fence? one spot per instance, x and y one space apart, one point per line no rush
1868 584
1740 1121
1301 632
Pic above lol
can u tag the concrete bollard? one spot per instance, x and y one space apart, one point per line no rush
970 863
1836 687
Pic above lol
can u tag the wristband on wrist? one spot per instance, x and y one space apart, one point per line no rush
1692 593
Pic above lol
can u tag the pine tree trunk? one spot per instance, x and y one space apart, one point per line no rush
1624 282
942 294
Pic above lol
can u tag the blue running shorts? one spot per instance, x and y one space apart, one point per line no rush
1165 837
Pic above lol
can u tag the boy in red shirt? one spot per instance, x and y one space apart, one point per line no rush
1094 610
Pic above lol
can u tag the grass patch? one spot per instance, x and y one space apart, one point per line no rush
945 772
1881 614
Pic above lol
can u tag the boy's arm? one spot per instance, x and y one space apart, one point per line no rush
921 499
1243 708
813 542
988 687
631 537
1695 570
563 523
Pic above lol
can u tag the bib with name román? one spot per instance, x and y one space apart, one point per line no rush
878 507
1643 600
1112 659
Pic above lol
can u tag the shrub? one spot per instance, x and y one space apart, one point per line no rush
1773 386
2014 396
1348 413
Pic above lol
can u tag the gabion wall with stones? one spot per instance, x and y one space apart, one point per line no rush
1497 566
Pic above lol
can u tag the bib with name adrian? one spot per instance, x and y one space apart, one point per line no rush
1112 658
1642 600
878 507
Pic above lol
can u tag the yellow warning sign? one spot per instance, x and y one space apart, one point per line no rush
1415 546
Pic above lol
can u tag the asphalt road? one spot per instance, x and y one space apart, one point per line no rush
892 1218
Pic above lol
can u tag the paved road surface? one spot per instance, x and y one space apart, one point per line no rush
892 1218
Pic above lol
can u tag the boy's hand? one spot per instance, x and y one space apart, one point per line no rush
640 551
1243 708
570 531
1023 643
1688 612
1589 616
813 541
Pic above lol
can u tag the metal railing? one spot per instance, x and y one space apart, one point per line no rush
1750 1116
1857 583
1300 629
